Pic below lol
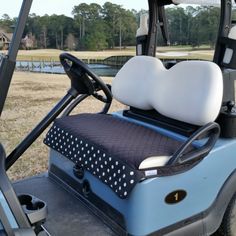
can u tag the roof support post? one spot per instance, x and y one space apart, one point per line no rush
224 28
8 62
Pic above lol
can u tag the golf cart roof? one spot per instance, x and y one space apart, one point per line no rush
193 2
199 2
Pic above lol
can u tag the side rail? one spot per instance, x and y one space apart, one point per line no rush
210 132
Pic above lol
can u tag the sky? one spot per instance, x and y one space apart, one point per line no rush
41 7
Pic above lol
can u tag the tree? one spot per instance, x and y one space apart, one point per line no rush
71 42
178 25
91 26
95 27
50 31
128 27
209 18
121 25
193 26
6 23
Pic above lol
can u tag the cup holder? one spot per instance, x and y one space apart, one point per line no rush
25 200
34 208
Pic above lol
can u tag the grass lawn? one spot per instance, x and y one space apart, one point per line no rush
53 54
31 96
202 52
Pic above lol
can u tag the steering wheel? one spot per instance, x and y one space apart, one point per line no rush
83 79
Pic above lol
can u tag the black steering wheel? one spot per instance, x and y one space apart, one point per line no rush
83 79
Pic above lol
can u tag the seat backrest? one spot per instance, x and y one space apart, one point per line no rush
191 91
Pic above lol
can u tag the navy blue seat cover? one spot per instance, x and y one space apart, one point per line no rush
108 147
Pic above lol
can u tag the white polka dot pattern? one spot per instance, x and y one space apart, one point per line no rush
120 177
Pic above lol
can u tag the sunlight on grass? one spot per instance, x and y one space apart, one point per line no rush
203 53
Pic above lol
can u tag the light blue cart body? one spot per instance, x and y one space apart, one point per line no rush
145 211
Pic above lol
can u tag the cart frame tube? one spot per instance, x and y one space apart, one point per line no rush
8 62
224 28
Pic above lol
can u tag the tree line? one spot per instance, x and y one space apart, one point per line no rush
95 27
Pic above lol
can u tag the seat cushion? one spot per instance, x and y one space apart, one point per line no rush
191 91
109 147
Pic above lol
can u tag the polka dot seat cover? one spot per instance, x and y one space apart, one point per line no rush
108 147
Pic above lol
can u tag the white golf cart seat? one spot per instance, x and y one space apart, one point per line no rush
116 150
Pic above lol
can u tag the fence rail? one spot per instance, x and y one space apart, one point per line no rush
113 61
52 66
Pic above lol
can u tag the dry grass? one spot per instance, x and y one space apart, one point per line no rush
31 96
53 54
48 54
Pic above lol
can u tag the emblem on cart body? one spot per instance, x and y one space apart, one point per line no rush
176 197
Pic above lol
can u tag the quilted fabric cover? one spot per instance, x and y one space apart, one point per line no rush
108 147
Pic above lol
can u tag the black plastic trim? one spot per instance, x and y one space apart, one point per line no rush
163 25
155 118
224 28
152 32
164 2
211 131
79 74
226 42
73 104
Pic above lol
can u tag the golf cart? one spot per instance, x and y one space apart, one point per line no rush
164 166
